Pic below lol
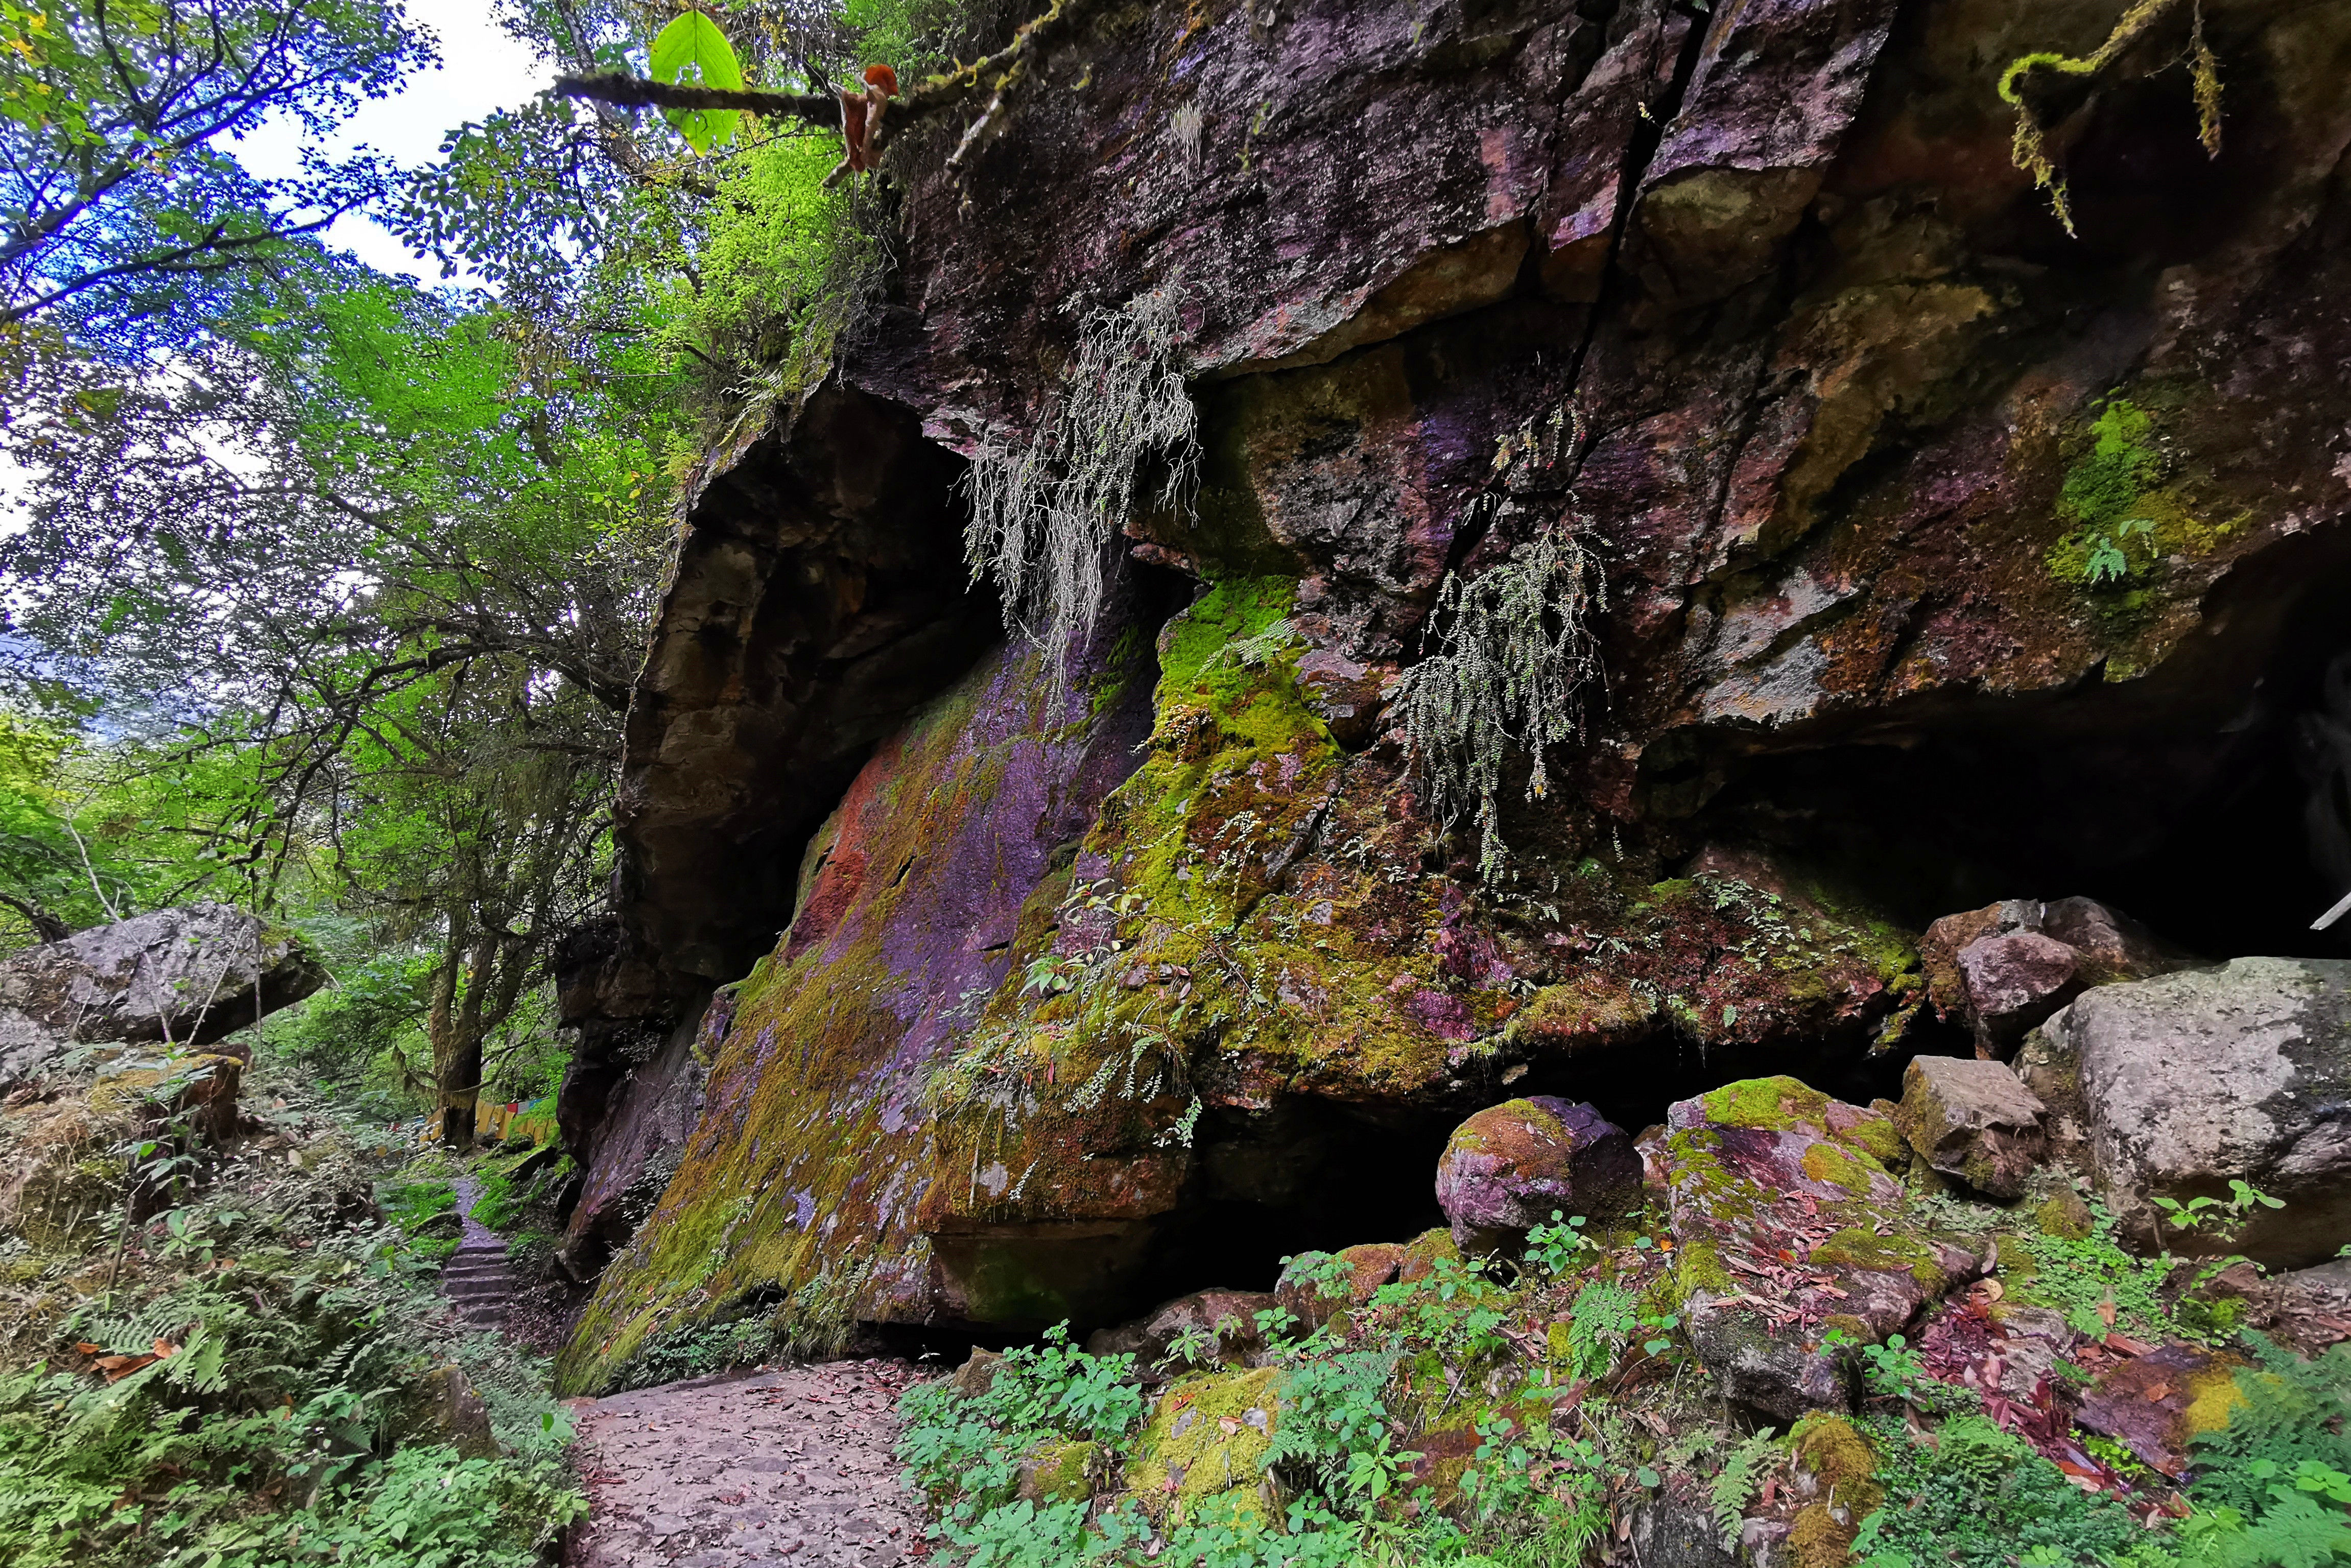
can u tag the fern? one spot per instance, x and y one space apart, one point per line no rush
1734 1485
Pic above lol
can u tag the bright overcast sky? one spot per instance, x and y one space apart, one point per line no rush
482 70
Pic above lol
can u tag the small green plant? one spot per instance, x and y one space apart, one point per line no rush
1734 1486
2225 1215
1977 1496
1559 1246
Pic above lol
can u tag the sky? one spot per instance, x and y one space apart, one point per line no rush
482 70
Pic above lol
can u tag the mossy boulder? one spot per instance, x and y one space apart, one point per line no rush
1835 1463
2158 1404
1203 1448
1973 1120
1511 1166
1057 1471
1788 1227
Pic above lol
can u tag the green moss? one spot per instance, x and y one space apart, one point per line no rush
1843 1463
1842 1167
2122 519
1770 1105
1207 1437
1055 1470
1882 1140
1859 1247
2066 1216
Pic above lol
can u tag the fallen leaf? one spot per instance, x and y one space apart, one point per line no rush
88 1349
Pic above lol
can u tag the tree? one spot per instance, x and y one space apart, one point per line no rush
119 201
367 590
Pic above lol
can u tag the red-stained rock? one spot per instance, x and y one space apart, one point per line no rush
1788 1228
2004 968
1513 1165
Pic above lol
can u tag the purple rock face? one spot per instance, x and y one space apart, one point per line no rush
2015 981
1512 1165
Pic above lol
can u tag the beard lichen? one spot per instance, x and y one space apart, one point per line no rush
1044 511
1511 650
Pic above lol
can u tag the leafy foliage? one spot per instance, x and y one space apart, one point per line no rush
693 49
1977 1496
250 1389
123 204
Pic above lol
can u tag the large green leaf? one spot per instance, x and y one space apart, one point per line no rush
693 49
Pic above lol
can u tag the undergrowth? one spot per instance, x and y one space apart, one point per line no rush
248 1379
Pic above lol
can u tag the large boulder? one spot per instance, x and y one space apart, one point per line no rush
179 977
2005 968
1789 1227
2187 1083
1973 1120
1513 1165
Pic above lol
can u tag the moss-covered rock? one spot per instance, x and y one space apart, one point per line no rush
1839 1462
1204 1448
1511 1166
1789 1227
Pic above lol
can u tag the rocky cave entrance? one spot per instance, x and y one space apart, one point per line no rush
2207 801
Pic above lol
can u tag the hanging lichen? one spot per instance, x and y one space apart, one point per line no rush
1511 653
1044 511
2030 147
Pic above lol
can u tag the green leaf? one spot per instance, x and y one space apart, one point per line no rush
693 49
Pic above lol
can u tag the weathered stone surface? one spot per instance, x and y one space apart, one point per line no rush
2156 1404
1788 1225
2236 1072
1227 1317
2007 966
1312 1298
179 977
1973 1120
816 1149
1513 1165
446 1408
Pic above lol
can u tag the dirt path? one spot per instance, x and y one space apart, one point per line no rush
791 1465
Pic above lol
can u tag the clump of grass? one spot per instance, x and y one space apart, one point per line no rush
1043 511
1511 655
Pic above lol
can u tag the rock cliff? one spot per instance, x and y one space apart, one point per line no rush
1947 557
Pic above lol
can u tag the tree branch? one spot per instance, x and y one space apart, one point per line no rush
636 92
